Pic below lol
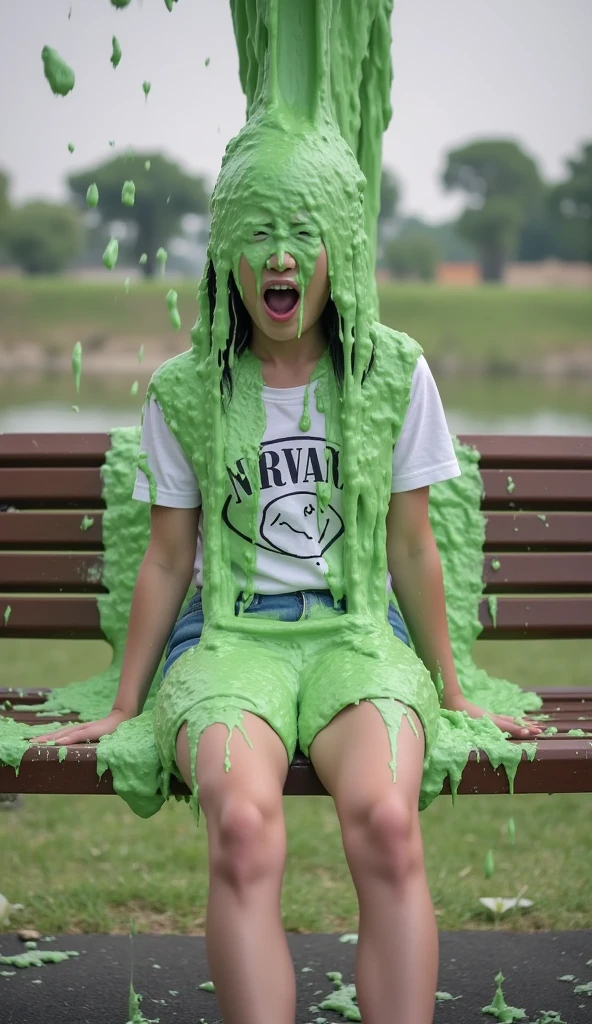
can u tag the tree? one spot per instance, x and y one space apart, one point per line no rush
413 256
164 194
570 203
43 238
503 186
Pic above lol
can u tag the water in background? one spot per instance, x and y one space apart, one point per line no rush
507 405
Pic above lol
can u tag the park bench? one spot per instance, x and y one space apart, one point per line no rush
540 530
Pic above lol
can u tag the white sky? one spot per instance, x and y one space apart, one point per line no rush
463 69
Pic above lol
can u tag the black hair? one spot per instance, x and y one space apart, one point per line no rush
241 330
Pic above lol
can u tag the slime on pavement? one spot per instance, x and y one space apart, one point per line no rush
290 118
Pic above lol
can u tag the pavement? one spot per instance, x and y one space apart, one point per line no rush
168 969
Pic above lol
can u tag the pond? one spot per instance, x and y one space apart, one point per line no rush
505 405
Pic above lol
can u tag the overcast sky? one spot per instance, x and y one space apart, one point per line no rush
463 69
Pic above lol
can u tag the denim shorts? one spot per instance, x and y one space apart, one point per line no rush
301 604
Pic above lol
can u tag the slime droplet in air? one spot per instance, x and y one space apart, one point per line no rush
70 147
92 195
143 258
207 62
489 866
169 4
111 253
86 523
140 353
146 86
111 143
120 4
146 165
115 52
511 831
60 76
162 256
134 389
128 193
77 364
75 408
496 564
7 612
171 301
126 285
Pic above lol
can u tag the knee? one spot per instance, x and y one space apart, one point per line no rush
247 841
384 838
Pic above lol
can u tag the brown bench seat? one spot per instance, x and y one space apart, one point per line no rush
538 507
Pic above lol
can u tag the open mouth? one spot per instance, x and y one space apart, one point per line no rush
280 301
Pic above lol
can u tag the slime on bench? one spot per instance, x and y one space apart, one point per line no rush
292 161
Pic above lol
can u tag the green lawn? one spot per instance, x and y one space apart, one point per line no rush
490 325
88 864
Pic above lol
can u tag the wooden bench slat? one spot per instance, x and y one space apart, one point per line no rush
32 571
81 487
40 487
531 531
45 530
496 450
537 618
546 572
536 451
50 529
547 489
561 766
53 449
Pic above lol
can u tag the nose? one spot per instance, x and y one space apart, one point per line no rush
281 260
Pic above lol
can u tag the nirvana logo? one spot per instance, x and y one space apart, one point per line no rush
290 520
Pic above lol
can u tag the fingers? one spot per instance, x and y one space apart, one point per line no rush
67 734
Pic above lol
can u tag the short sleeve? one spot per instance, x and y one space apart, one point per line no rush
423 453
175 479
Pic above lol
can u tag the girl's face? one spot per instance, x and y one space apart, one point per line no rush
294 281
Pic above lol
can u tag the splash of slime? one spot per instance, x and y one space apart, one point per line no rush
317 102
77 364
60 76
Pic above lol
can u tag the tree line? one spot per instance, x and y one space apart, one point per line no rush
510 213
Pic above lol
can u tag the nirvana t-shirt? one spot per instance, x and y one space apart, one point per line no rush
292 539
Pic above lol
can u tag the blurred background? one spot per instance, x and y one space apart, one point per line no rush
485 235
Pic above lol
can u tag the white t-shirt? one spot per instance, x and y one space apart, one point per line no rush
292 539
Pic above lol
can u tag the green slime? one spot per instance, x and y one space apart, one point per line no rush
499 1009
293 170
115 52
60 76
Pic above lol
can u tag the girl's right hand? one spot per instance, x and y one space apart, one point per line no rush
83 732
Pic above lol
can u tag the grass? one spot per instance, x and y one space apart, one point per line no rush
88 864
491 325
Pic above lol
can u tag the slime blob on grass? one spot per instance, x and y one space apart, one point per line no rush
115 52
111 253
60 76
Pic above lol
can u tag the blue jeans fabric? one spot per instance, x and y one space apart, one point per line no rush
286 607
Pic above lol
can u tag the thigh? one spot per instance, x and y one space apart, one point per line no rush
259 768
353 757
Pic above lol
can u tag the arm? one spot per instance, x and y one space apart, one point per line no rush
416 572
163 580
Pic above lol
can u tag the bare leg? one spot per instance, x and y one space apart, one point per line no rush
245 942
397 956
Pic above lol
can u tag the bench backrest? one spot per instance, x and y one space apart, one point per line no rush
537 501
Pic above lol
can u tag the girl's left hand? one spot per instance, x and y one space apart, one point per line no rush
517 728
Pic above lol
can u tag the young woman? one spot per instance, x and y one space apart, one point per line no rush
288 458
